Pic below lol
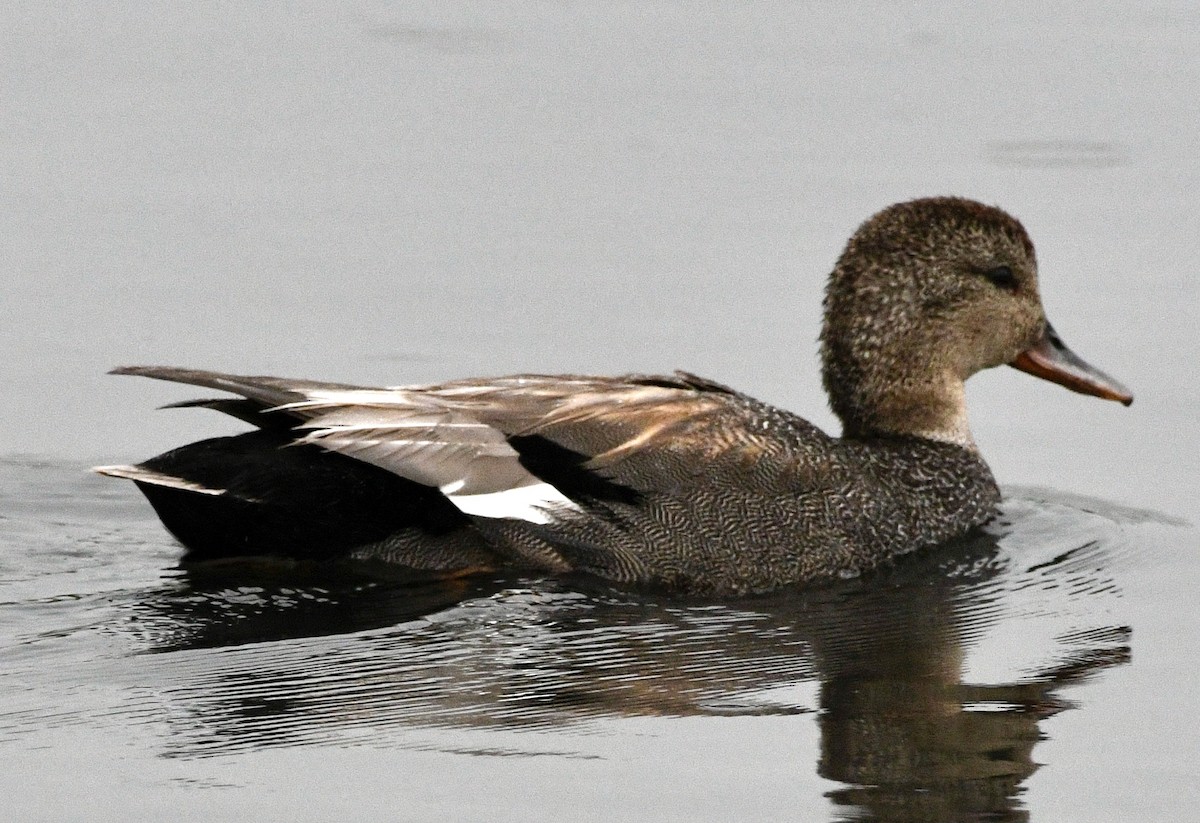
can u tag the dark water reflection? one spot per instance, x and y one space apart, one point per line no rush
263 658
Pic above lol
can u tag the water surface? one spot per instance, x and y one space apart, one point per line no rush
920 693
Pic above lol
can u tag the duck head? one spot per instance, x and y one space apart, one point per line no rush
926 294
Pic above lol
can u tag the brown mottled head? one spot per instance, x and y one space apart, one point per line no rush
926 294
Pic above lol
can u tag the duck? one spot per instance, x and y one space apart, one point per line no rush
673 482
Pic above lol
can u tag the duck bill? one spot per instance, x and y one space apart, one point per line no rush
1050 359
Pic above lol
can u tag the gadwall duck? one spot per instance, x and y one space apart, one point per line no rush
671 481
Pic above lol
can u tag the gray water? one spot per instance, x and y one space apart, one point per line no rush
389 194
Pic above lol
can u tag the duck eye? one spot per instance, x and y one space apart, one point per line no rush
1001 277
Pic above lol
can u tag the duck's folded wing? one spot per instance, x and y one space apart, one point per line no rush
410 433
594 436
528 447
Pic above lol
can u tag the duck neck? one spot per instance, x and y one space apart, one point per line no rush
932 410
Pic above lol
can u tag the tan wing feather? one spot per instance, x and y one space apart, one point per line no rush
610 419
454 435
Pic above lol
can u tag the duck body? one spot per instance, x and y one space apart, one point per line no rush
671 481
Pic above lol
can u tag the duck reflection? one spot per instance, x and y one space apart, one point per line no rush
911 740
880 660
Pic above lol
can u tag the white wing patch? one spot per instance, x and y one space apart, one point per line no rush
427 440
536 503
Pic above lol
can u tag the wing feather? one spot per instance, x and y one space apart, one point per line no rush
455 436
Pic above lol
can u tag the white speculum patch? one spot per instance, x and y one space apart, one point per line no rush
535 503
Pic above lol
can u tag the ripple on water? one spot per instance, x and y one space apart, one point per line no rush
966 643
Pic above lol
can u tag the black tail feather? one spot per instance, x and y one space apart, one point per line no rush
287 500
